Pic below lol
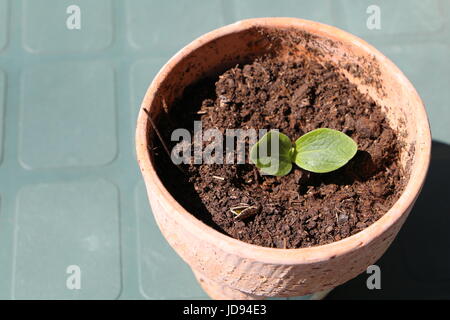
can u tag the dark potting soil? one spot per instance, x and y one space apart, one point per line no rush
301 209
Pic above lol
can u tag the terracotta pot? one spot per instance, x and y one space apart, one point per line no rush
228 268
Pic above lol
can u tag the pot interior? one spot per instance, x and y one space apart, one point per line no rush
362 65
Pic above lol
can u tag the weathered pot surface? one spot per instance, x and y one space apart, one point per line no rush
231 269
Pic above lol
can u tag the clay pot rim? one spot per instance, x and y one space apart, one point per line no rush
275 255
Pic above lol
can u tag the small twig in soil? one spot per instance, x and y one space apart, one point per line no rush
157 132
218 178
161 138
256 175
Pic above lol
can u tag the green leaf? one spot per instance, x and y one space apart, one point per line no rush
324 150
272 154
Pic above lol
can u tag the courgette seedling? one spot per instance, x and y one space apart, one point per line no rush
320 151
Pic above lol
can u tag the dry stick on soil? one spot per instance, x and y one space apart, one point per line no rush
161 138
256 175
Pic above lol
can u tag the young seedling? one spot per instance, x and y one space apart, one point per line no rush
321 150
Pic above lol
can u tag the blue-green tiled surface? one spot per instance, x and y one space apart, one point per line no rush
63 224
63 104
3 23
311 10
399 18
44 33
70 190
2 103
163 27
